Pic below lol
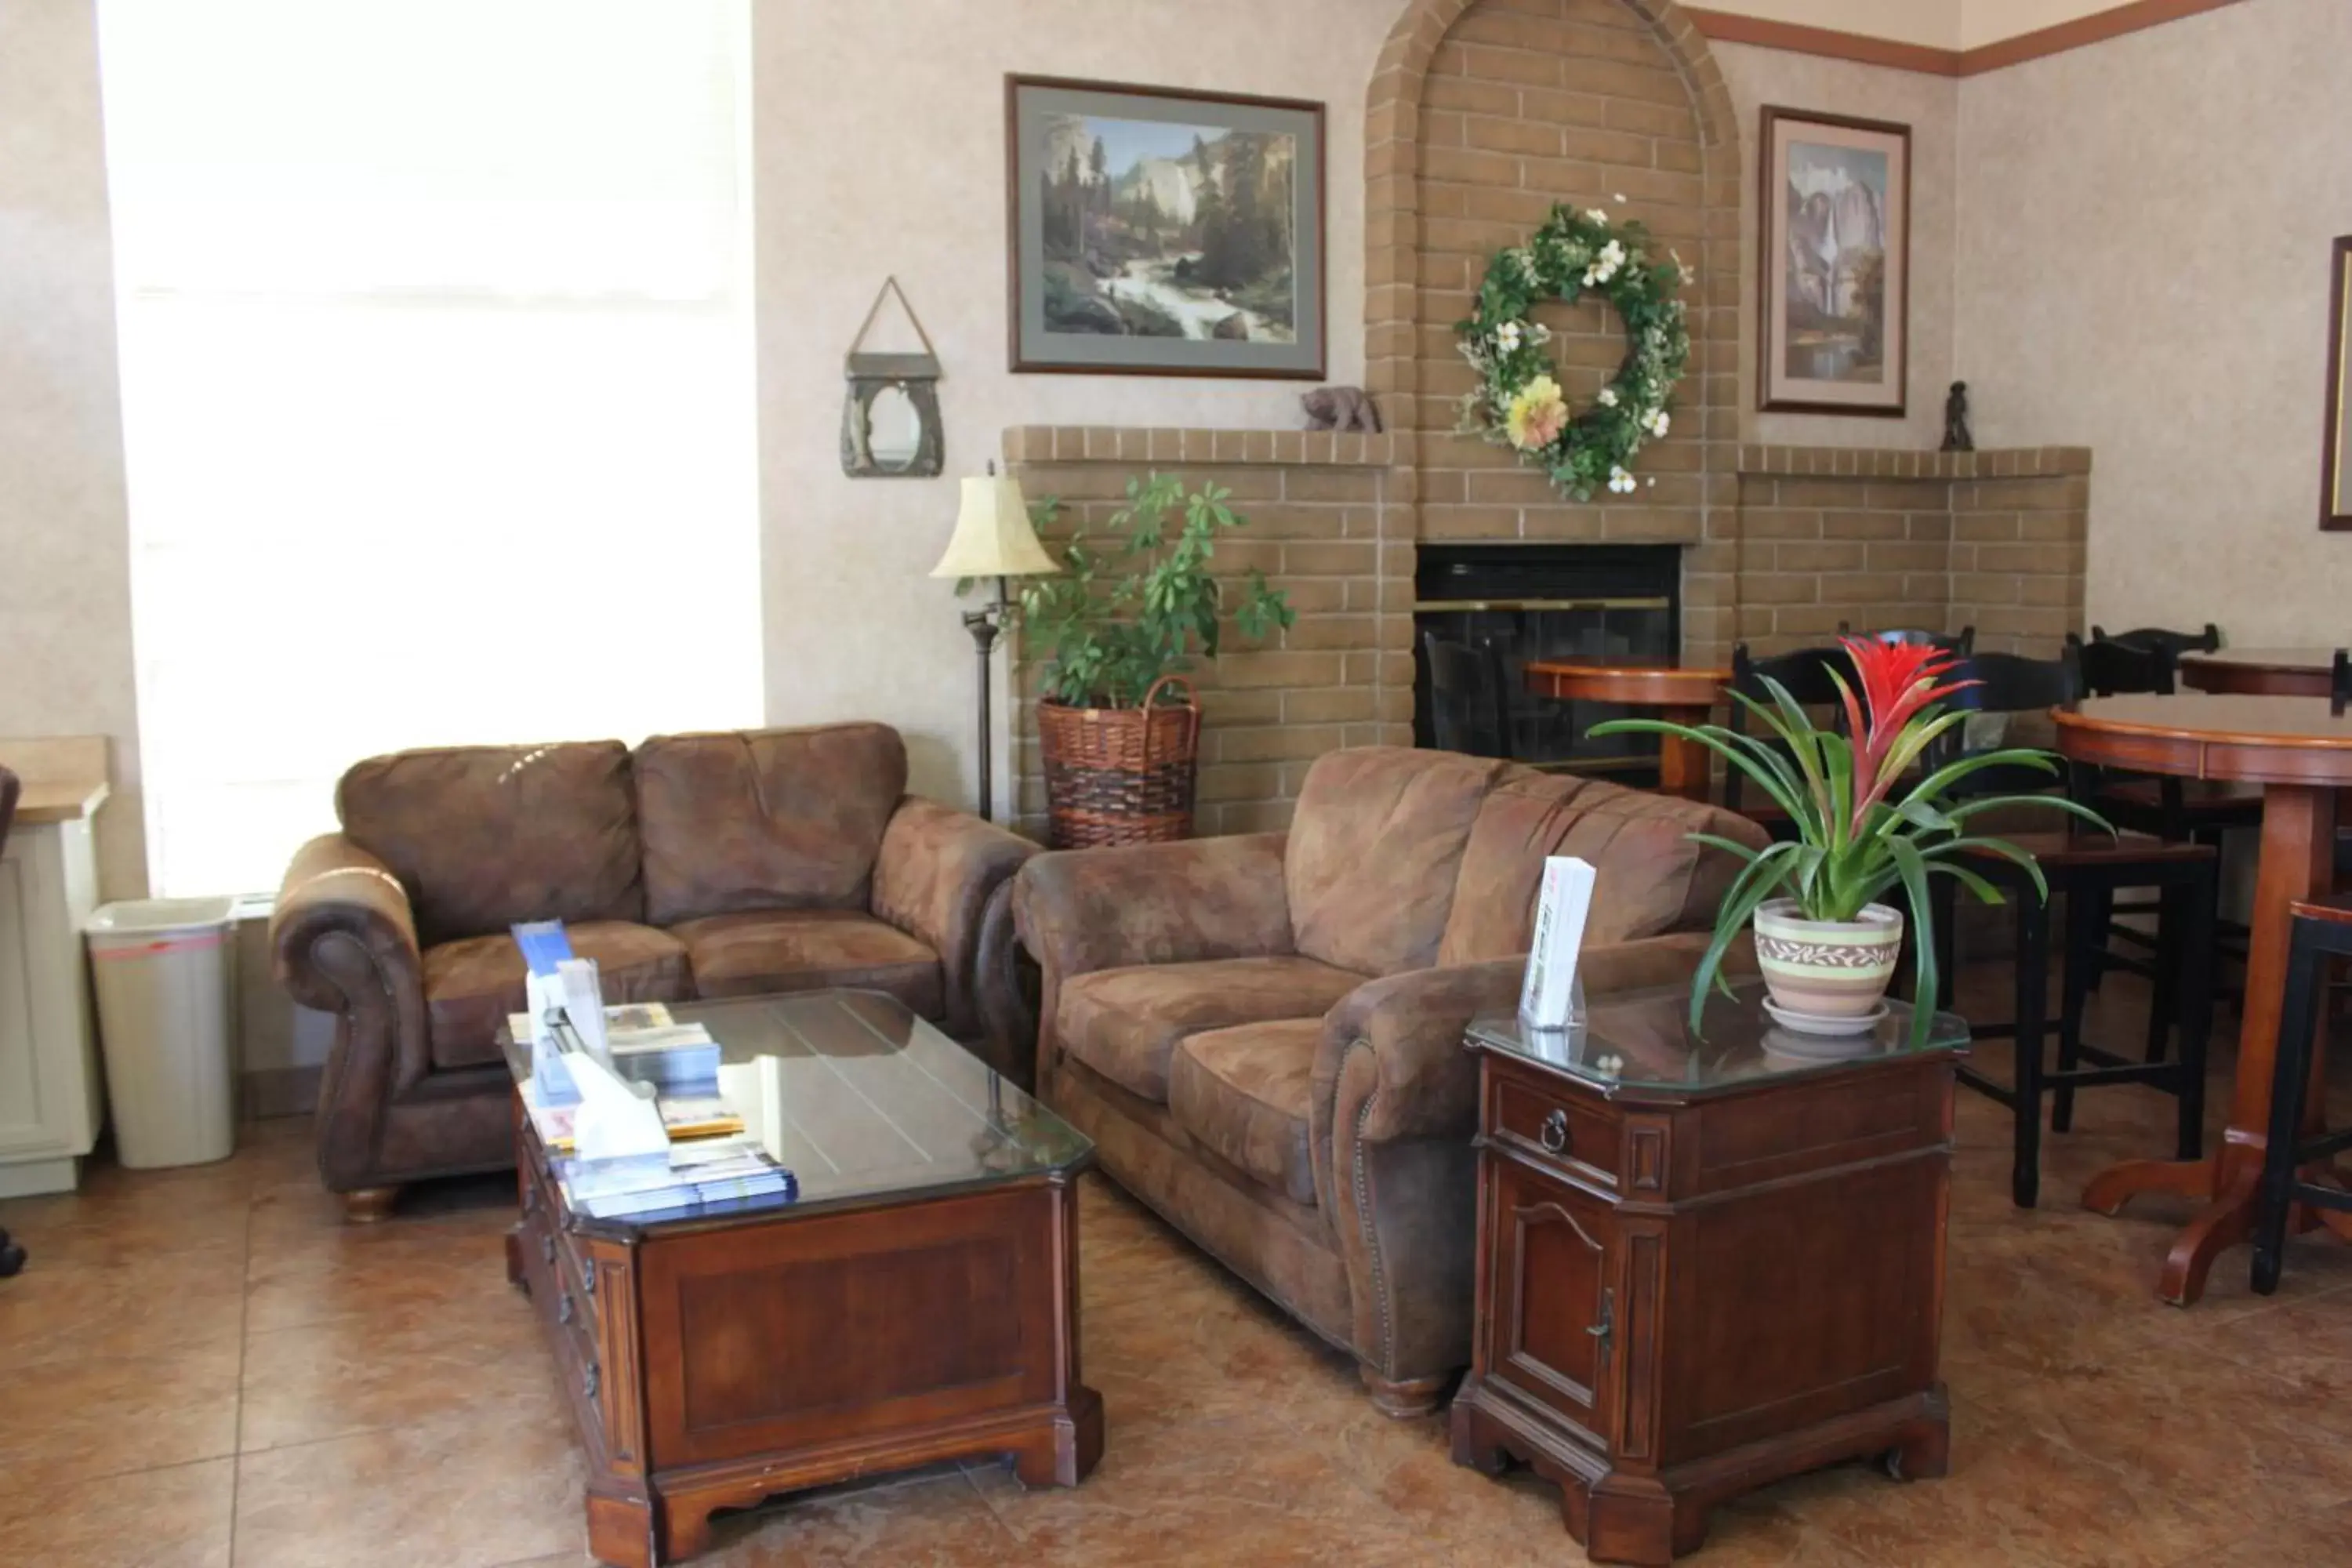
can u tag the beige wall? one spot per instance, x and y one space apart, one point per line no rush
65 585
1990 21
878 133
2143 270
1930 106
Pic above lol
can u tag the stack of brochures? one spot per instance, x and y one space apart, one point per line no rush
640 1062
688 1176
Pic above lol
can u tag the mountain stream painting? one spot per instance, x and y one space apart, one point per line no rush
1162 233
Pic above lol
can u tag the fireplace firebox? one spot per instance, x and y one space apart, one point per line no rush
1551 601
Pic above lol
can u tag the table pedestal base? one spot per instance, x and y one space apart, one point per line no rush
2298 862
2230 1185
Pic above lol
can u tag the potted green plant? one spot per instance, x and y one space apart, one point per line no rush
1117 629
1826 945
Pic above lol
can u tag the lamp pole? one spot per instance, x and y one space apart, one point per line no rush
983 624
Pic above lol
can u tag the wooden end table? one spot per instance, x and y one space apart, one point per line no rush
917 1302
1704 1264
2301 753
1678 693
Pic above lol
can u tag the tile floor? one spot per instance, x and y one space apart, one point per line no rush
202 1368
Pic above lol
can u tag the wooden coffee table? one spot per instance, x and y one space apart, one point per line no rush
919 1301
1704 1264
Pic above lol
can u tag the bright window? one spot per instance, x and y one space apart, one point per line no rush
437 386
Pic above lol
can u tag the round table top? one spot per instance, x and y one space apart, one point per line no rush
2203 735
2263 672
1630 681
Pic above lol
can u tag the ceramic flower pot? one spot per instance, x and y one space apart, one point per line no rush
1830 969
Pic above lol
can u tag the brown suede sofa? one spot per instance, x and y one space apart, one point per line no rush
1262 1034
695 866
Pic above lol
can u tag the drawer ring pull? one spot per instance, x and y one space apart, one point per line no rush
1553 1134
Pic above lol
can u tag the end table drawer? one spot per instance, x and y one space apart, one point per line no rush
1576 1137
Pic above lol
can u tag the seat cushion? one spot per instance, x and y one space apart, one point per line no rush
1241 1093
482 836
1125 1023
471 984
759 951
766 820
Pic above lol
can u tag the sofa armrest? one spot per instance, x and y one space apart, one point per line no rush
935 878
1084 910
344 940
1393 1107
334 890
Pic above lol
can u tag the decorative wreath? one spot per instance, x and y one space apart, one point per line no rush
1518 403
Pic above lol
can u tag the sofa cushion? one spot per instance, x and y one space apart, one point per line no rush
1375 847
1650 877
482 836
765 818
1125 1023
759 950
471 984
1241 1094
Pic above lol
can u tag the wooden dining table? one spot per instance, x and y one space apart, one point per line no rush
2300 753
2260 671
1679 693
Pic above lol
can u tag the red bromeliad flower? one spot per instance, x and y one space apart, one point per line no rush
1898 680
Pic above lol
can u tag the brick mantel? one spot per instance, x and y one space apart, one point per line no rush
1808 538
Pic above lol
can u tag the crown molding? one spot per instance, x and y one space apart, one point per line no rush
1829 43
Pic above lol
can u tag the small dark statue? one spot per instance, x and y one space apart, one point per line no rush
1956 420
1341 408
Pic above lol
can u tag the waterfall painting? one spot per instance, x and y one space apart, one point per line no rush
1164 233
1834 259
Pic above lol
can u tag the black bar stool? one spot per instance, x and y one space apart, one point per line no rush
2298 1135
1805 674
2088 869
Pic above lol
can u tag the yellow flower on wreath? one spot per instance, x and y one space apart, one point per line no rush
1537 415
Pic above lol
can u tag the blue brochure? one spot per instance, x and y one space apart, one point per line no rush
543 945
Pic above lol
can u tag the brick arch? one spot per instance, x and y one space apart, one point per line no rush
1433 200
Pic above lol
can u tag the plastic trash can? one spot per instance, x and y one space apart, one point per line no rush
166 971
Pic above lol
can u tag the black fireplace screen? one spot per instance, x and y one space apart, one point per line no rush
1528 601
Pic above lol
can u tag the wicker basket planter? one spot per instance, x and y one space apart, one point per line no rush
1121 775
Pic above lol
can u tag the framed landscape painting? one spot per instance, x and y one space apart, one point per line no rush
2336 456
1159 232
1835 262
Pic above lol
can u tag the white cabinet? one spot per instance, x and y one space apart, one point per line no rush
51 1100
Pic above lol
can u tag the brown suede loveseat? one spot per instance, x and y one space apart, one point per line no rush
695 866
1262 1034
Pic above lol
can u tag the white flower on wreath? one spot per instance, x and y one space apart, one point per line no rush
1655 422
1620 481
1506 336
1607 397
1598 214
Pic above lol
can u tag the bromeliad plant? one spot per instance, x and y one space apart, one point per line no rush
1861 831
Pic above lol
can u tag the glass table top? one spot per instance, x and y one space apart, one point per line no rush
861 1100
1643 1040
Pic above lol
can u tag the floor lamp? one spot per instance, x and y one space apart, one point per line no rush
993 539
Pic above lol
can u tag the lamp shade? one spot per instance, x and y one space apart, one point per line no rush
993 536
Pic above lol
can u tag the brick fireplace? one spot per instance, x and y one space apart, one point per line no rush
1480 115
1811 536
